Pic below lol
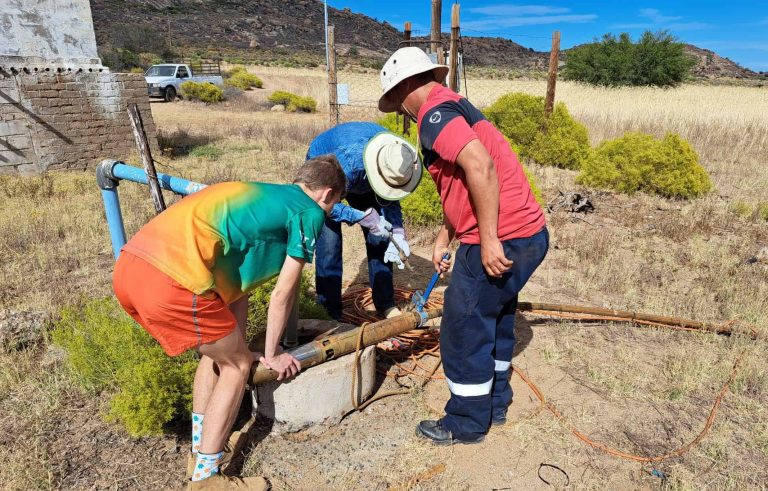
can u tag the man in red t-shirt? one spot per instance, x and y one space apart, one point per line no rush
489 207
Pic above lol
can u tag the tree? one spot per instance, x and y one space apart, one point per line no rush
656 59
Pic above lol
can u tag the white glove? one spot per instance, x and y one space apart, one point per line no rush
392 255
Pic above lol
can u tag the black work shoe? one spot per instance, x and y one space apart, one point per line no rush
433 430
499 418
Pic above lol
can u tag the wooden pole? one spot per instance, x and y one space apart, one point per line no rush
333 106
453 80
146 157
549 103
406 37
437 46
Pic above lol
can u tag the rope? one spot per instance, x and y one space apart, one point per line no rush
420 343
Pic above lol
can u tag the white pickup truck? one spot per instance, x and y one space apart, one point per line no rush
165 80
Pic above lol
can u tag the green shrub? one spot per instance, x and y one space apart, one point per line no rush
520 117
258 305
564 144
656 59
395 124
422 206
302 104
207 151
741 208
761 210
638 162
561 141
293 102
108 351
244 81
280 97
203 92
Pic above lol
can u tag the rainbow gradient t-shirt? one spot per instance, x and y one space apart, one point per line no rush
231 237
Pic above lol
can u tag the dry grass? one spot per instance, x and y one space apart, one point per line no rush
640 389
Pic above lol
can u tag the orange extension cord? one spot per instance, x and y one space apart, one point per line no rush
408 351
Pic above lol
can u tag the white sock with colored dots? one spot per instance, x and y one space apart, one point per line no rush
197 431
206 465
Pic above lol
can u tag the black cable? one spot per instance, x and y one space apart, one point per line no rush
552 466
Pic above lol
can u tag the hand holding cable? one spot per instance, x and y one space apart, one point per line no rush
398 250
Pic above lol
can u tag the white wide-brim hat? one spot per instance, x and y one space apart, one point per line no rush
392 166
405 63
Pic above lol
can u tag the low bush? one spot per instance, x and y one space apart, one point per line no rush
280 97
745 210
637 162
259 305
243 80
302 104
108 351
208 152
203 92
293 102
560 141
394 123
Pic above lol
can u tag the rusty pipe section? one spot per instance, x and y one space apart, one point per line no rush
337 343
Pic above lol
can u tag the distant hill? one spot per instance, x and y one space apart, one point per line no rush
268 29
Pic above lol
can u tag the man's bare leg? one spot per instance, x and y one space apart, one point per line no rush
231 356
207 374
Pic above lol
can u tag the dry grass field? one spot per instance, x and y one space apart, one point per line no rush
643 390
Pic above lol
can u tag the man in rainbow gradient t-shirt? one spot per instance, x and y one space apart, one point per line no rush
185 278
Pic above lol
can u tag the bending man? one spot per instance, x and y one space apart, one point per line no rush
489 207
185 277
381 169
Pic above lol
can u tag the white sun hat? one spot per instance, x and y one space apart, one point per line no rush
392 166
405 63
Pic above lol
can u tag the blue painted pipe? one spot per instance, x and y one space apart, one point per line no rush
109 173
114 219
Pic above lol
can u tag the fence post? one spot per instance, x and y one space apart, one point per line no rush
146 157
333 106
549 104
406 37
437 44
453 80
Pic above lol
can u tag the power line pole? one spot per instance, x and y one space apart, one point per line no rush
406 37
549 103
437 45
453 77
333 106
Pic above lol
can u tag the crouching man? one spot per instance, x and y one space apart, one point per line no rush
185 278
489 207
381 169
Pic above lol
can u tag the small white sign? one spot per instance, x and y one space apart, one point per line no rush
342 93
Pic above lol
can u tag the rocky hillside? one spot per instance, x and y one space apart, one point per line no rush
264 29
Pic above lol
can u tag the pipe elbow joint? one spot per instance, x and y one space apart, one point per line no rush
105 176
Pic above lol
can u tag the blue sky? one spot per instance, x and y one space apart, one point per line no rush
737 29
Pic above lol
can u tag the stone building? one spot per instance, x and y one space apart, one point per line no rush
59 107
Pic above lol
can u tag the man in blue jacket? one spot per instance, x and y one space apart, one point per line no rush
381 168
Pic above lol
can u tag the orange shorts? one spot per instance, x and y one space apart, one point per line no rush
177 318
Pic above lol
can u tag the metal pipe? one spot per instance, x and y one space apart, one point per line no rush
109 173
171 183
339 343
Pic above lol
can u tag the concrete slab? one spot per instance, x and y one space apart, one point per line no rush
318 396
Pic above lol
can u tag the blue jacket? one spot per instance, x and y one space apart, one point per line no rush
347 141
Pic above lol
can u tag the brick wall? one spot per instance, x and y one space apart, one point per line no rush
68 121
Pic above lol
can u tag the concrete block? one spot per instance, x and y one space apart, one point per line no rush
317 396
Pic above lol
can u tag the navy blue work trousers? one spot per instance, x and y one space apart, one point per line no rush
477 333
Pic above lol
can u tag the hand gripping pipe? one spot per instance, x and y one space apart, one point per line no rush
341 342
109 173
